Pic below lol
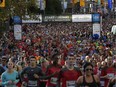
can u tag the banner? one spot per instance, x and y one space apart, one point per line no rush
96 29
99 2
62 18
103 2
42 4
18 32
64 4
82 3
2 3
69 1
37 3
17 20
32 19
96 18
74 1
110 4
82 18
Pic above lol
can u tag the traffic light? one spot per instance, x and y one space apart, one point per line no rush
2 3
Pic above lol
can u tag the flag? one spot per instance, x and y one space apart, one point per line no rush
74 1
110 4
2 3
103 2
69 1
99 2
64 4
82 3
42 4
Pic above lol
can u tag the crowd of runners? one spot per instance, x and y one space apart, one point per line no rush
59 55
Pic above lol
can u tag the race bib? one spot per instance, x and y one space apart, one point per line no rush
102 83
53 80
114 85
70 83
111 75
32 83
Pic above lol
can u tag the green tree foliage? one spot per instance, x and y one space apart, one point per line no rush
17 8
53 7
32 7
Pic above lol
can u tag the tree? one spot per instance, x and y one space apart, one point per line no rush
17 8
53 7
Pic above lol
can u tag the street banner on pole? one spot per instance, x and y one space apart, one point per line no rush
2 3
110 4
82 3
99 2
18 32
82 18
32 19
96 29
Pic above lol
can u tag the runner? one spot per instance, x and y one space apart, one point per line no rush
1 71
30 74
88 79
52 68
112 82
108 72
69 74
10 76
